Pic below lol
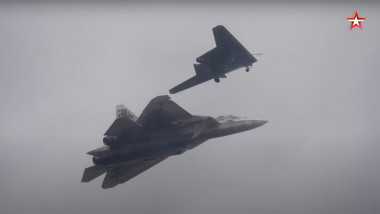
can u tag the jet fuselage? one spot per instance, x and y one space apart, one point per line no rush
165 142
135 144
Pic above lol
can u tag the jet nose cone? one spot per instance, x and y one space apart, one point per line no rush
257 123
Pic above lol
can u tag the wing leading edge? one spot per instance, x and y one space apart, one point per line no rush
193 81
161 111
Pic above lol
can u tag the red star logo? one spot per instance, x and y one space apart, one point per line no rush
356 21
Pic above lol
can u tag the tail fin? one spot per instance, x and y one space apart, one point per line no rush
122 111
92 172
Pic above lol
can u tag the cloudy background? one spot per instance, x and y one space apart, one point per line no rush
64 67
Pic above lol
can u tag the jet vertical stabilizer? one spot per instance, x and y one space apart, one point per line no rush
122 111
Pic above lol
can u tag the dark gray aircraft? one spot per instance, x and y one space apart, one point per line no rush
227 56
133 145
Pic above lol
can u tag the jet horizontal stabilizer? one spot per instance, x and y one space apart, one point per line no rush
92 172
130 170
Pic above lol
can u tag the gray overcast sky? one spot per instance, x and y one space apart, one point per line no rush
64 67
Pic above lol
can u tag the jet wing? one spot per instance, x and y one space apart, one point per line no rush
225 40
121 125
229 53
193 81
128 171
161 111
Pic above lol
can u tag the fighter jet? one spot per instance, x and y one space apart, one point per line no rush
227 56
133 145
